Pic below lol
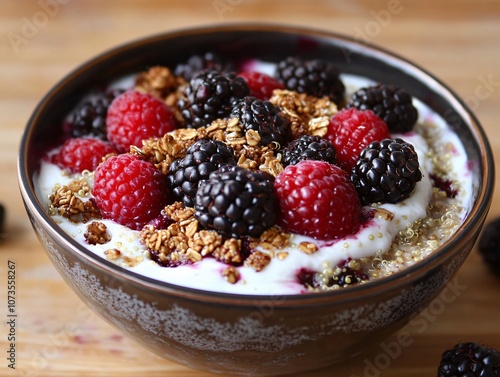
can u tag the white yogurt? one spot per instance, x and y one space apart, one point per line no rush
279 277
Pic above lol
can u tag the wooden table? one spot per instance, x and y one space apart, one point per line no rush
43 40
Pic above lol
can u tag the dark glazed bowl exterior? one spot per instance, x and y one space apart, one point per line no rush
253 335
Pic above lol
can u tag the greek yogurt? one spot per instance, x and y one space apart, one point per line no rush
397 236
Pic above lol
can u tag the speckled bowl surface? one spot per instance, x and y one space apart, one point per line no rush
253 335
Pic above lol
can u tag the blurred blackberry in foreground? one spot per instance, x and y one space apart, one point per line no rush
392 104
202 158
2 222
236 202
386 171
200 62
308 147
469 360
210 96
315 77
263 117
89 118
489 245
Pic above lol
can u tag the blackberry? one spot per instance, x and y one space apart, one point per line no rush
315 77
200 62
89 118
469 360
386 171
202 158
489 245
308 147
210 96
390 103
236 202
263 117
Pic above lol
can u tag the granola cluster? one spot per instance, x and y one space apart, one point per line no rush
162 152
308 115
183 242
162 83
67 201
97 233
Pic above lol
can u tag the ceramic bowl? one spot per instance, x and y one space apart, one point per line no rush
253 335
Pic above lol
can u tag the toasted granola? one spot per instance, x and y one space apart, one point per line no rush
307 114
231 274
182 241
159 81
260 158
132 261
97 233
205 242
177 242
272 239
308 247
66 201
113 254
258 260
229 252
162 152
162 83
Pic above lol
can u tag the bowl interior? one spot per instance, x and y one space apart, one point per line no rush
241 42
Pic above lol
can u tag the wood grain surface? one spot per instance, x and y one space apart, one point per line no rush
42 40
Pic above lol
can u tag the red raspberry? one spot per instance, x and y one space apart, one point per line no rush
317 200
351 130
133 117
261 85
79 154
129 190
